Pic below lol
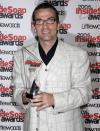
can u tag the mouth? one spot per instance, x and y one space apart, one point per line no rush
45 32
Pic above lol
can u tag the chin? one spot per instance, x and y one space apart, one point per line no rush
46 39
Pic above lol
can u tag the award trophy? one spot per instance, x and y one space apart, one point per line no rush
31 80
33 91
31 63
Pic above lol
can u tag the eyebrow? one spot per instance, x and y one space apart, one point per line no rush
46 19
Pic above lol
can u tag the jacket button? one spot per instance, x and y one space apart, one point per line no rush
46 69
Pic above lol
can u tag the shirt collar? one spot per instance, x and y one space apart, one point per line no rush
47 57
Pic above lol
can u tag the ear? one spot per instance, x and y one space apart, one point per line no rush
33 27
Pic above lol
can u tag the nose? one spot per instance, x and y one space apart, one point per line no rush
45 24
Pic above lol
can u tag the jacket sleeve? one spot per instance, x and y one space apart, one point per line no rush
80 91
19 79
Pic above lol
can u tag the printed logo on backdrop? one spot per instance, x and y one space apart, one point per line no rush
6 77
94 53
87 37
10 128
53 2
6 65
93 45
92 129
9 25
6 52
64 28
90 26
10 12
11 116
58 2
95 68
95 80
12 39
93 105
96 93
6 91
88 11
10 103
90 118
90 40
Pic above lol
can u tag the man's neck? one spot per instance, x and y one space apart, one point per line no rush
47 45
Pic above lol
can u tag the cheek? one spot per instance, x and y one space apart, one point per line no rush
38 31
55 28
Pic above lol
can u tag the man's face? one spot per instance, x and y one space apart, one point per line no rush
46 26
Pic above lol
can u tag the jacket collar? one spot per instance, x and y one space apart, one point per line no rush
57 56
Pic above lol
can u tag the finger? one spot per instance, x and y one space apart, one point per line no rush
37 104
36 100
42 107
37 96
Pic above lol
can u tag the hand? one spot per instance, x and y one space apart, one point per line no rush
42 100
25 99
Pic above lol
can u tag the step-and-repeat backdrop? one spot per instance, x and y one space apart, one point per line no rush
80 26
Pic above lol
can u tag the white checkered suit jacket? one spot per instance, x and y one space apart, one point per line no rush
66 76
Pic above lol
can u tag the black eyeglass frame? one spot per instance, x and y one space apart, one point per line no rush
50 20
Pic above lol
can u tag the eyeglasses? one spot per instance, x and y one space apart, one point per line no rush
50 20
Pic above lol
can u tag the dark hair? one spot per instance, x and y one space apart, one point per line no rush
45 5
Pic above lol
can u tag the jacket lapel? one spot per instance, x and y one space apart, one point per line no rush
57 56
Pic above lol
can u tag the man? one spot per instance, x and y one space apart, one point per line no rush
61 72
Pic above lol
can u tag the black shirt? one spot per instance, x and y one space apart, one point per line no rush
47 57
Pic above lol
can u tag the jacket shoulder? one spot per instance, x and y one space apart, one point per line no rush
71 49
73 52
29 47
